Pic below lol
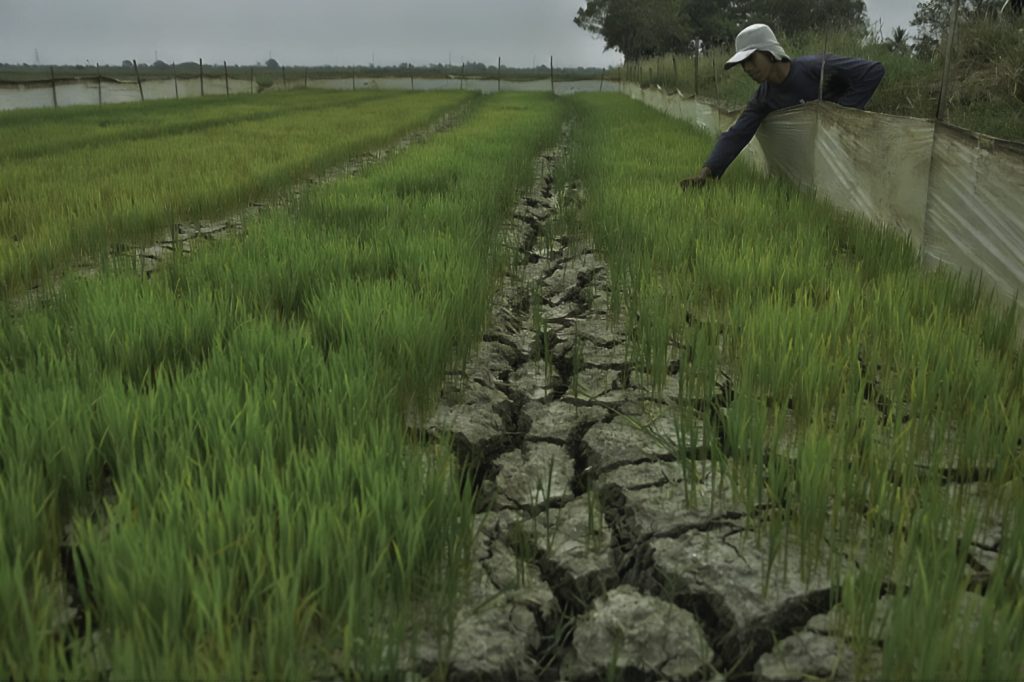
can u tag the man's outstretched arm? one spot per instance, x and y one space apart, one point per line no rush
730 144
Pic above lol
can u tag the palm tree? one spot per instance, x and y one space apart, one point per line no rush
897 42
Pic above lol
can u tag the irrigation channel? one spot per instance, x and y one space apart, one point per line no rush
605 541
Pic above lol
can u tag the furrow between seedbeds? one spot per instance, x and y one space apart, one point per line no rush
213 476
78 204
586 478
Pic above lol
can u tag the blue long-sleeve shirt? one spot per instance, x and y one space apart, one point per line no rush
849 82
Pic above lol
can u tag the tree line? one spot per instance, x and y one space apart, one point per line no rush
647 28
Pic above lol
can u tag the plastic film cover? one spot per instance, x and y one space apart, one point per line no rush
787 140
875 165
976 207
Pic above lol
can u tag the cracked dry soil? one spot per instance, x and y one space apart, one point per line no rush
597 548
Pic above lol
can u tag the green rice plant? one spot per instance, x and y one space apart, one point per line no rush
51 132
863 389
62 207
233 442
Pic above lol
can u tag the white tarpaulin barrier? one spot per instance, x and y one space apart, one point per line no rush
91 91
975 218
958 195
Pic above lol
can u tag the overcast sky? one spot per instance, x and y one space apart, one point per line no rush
310 32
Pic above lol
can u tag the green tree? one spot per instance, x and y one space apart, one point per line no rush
794 16
637 28
931 18
640 28
898 42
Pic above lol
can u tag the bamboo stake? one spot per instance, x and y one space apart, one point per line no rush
138 79
718 93
696 69
940 114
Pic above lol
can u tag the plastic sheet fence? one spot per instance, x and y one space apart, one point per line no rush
958 195
90 91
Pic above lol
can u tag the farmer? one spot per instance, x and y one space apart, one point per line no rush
784 83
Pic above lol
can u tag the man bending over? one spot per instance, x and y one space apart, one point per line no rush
785 83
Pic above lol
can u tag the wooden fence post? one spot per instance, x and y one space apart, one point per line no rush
202 84
499 74
305 81
940 115
174 75
696 69
601 89
227 88
99 83
53 86
552 74
138 79
462 78
252 80
353 80
284 78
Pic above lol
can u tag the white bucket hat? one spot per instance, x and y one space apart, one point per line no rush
754 38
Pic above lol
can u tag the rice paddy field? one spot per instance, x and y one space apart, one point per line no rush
215 471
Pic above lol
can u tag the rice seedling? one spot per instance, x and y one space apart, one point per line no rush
227 444
40 133
868 395
57 208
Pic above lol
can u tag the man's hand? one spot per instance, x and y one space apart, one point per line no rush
698 180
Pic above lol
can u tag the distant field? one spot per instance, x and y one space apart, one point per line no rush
264 75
